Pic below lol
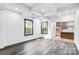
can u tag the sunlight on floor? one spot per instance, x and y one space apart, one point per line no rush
63 39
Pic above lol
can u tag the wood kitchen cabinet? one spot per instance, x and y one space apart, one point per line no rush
65 29
67 35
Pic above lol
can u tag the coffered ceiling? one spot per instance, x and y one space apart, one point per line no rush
47 10
50 10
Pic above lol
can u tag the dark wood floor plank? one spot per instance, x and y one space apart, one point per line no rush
49 47
41 46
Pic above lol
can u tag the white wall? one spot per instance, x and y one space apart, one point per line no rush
76 40
53 29
36 30
49 29
68 17
1 29
37 27
13 28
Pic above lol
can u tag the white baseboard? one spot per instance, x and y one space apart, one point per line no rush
77 46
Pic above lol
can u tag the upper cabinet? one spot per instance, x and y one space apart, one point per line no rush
64 27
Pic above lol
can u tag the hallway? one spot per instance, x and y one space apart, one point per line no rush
48 47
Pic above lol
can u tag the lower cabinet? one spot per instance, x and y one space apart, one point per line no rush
67 35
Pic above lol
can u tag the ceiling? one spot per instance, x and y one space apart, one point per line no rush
50 10
47 10
44 8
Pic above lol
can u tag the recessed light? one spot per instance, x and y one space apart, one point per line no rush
43 10
67 11
16 9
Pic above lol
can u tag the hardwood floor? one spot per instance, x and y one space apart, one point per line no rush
41 47
49 47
